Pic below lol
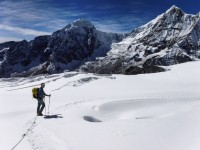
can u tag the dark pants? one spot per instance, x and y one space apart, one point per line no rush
40 103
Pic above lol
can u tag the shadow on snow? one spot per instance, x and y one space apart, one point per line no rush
56 116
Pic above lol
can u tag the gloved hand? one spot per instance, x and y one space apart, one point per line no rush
49 95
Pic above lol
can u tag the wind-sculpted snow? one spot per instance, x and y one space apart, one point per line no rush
141 109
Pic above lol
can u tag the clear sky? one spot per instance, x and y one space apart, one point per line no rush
25 19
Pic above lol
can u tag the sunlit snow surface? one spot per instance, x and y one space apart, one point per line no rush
158 111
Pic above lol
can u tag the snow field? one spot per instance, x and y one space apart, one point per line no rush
110 112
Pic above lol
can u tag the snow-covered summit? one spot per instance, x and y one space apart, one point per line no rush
82 22
173 9
79 24
170 38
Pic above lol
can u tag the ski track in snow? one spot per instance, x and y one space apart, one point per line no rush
13 82
21 82
36 139
78 82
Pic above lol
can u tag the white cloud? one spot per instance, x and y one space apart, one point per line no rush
21 10
40 17
24 19
109 26
23 30
5 39
119 23
36 12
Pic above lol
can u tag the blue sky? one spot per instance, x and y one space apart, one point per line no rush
25 19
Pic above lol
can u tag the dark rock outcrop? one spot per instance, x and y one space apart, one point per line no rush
65 49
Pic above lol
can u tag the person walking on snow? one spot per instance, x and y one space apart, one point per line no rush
40 99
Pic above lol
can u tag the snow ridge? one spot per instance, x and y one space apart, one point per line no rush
171 38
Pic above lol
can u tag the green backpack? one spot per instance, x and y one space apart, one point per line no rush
35 92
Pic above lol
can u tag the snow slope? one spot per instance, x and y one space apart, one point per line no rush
105 112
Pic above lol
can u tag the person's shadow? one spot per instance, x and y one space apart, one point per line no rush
55 116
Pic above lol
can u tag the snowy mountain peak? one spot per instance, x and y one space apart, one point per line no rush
174 9
82 22
79 23
169 39
65 49
172 37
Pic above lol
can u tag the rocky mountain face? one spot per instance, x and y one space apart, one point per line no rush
65 49
17 57
171 38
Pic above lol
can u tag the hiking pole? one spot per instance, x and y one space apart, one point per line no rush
45 107
49 104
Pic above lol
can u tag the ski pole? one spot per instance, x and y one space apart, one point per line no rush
49 104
